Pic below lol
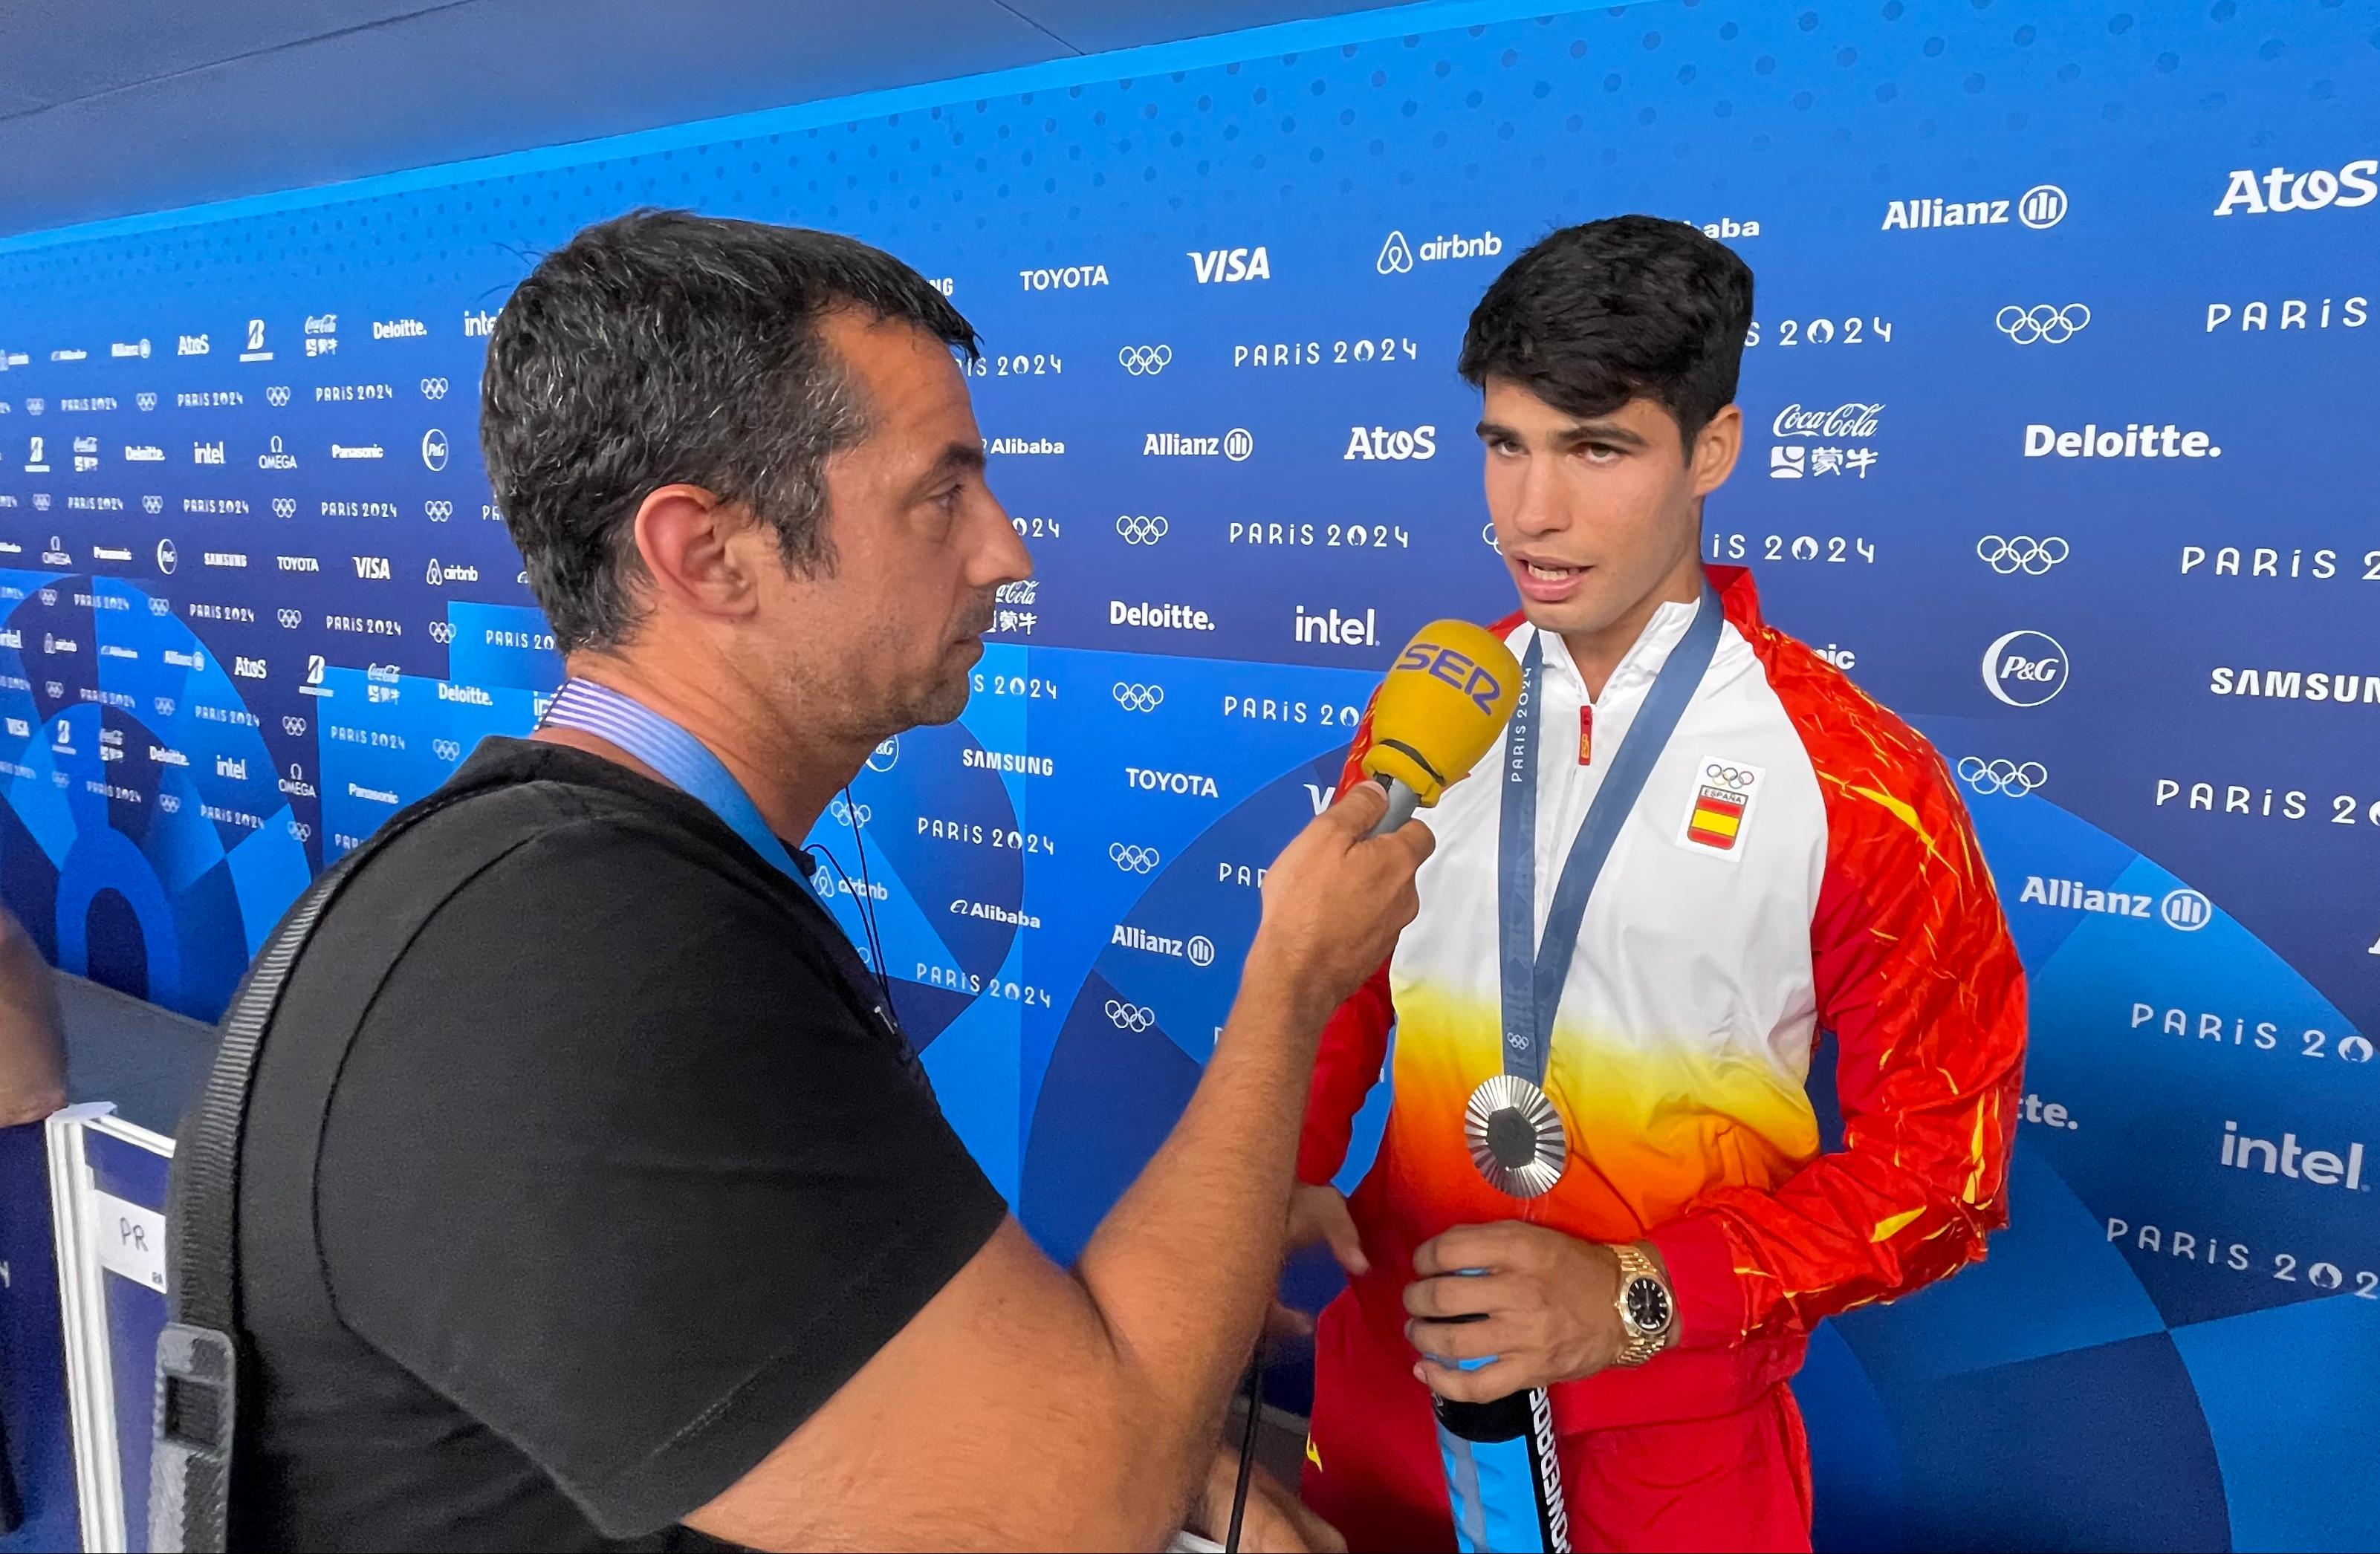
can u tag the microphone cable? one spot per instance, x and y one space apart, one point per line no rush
1247 1444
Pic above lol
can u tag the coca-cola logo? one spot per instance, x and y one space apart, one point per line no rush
1844 420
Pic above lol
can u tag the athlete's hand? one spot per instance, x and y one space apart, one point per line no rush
1550 1299
1274 1521
1334 903
1319 1214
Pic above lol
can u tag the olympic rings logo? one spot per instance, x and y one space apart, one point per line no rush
284 506
1736 777
2051 326
438 511
433 388
446 749
2016 779
2023 553
160 606
277 395
1134 698
442 631
1130 1016
843 812
146 400
299 831
152 505
1145 362
1132 859
164 705
170 804
1142 529
292 619
293 726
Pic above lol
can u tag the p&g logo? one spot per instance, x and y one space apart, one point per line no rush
2024 668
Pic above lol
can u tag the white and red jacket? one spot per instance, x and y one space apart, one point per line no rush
1797 862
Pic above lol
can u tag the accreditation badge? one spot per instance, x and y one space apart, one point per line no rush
1515 1136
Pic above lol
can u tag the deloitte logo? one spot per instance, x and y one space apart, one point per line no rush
2024 668
1396 256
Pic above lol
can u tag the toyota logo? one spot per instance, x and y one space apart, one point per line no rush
1132 859
433 388
152 505
293 726
2044 206
446 749
1134 697
2024 668
442 631
277 395
1130 1016
1202 950
1238 444
2023 553
885 757
167 557
2051 326
1142 529
1145 362
433 448
438 511
1396 255
843 812
2186 909
292 619
2014 779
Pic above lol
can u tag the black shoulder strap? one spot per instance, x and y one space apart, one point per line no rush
198 1353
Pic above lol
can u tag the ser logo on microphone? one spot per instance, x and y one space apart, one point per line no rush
1456 668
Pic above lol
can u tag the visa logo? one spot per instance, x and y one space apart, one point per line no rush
372 567
1231 264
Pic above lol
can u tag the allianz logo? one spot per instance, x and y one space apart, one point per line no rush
1188 784
1396 256
985 911
1212 265
2182 908
2250 193
2040 207
2288 1158
1198 950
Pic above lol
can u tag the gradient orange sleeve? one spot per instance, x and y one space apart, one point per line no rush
1922 987
1355 1041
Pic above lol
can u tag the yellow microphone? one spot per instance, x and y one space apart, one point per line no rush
1446 698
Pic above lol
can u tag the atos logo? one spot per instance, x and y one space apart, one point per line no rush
2250 193
248 668
2024 668
1231 264
1379 442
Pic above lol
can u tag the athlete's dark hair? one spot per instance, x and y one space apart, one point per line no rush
1596 315
660 347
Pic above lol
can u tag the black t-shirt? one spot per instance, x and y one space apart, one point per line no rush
622 1176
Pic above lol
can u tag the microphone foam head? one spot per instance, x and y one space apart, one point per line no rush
1445 700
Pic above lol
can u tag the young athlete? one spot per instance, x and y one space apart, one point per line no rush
1699 847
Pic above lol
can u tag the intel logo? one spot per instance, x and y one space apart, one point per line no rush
2025 668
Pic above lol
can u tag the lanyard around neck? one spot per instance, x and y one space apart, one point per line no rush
1534 970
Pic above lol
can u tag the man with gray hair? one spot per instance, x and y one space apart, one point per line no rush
590 1193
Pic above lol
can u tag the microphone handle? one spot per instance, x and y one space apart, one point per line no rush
1402 802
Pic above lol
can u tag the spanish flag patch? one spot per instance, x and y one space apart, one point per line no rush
1725 793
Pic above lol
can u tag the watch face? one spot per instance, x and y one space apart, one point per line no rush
1648 1306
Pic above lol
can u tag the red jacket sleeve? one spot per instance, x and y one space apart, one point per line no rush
1921 985
1355 1041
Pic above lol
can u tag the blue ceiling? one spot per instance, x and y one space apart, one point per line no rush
114 107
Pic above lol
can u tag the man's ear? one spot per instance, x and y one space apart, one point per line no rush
1716 447
688 540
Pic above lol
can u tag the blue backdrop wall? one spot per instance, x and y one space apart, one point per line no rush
2062 347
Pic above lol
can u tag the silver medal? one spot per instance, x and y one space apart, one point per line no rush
1515 1136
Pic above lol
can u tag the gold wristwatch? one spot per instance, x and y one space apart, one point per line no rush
1648 1313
